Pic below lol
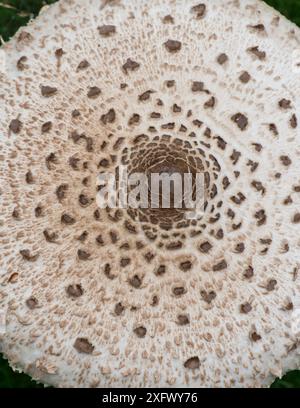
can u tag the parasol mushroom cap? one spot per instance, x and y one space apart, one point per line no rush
92 297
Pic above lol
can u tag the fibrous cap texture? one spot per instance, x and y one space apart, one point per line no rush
95 297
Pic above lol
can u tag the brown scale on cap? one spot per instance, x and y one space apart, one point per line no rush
145 96
170 83
74 290
220 266
83 65
15 126
173 45
258 147
257 52
99 291
59 52
271 285
119 309
249 272
179 291
135 281
32 303
93 92
21 63
182 320
48 91
208 297
254 336
107 30
46 127
38 211
107 271
61 191
192 363
246 308
125 262
241 120
68 219
185 266
28 256
257 27
239 248
109 117
289 306
222 58
155 115
294 121
235 156
245 77
130 65
83 255
75 113
199 10
253 165
50 237
285 103
285 160
161 270
168 19
296 218
140 331
210 103
82 345
198 86
51 160
16 214
273 129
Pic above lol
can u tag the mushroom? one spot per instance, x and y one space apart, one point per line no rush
145 297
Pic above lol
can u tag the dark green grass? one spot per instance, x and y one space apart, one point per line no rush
290 8
10 379
15 13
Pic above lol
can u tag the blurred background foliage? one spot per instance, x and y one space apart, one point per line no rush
16 13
